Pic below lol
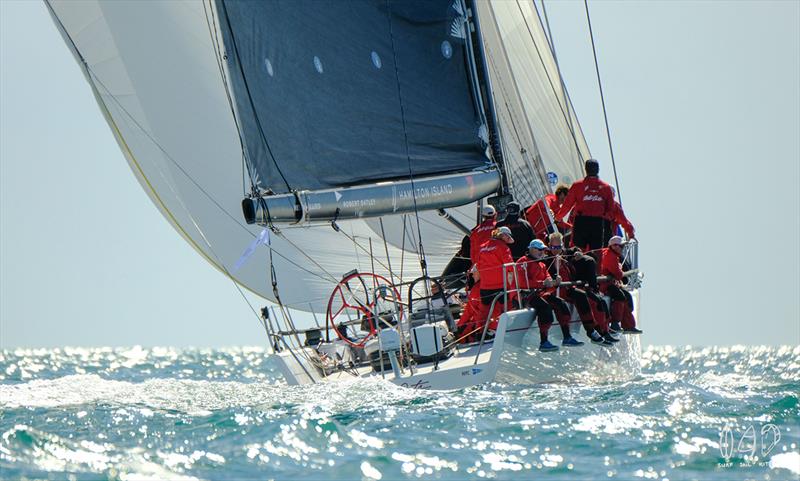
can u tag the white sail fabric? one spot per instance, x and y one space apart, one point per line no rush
155 73
523 46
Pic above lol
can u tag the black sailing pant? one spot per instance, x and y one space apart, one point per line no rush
580 298
544 313
488 295
598 300
617 293
590 233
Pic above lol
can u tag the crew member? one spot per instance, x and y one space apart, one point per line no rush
470 317
495 268
482 232
621 299
520 229
540 220
559 267
454 274
585 272
534 277
593 202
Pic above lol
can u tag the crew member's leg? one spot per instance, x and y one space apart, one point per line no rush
487 297
620 307
564 316
628 321
601 314
544 317
580 232
607 232
581 301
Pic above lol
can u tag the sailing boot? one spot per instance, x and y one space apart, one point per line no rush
545 345
597 338
563 323
571 342
609 338
568 339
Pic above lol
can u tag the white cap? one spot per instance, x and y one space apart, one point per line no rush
488 211
615 241
503 231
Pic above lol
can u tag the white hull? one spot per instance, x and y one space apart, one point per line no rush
512 358
523 363
468 366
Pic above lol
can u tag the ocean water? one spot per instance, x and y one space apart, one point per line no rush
162 413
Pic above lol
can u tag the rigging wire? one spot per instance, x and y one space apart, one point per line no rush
250 98
602 100
421 250
386 249
220 57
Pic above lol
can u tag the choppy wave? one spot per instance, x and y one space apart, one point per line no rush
712 413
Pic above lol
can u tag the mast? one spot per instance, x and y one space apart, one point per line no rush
485 84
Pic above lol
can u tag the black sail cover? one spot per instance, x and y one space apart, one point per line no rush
332 94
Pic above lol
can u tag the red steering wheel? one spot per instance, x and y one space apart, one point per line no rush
353 297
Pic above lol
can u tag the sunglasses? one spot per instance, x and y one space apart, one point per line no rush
556 247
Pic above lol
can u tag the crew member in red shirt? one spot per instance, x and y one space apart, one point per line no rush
621 299
540 220
592 201
482 232
534 277
495 268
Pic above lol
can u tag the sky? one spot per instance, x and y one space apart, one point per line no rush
703 102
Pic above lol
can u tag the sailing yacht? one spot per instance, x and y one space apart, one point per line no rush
351 145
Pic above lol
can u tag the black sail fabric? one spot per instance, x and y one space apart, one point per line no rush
333 94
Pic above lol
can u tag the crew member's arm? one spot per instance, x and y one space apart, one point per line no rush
619 218
609 265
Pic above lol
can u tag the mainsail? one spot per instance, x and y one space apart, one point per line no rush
164 77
